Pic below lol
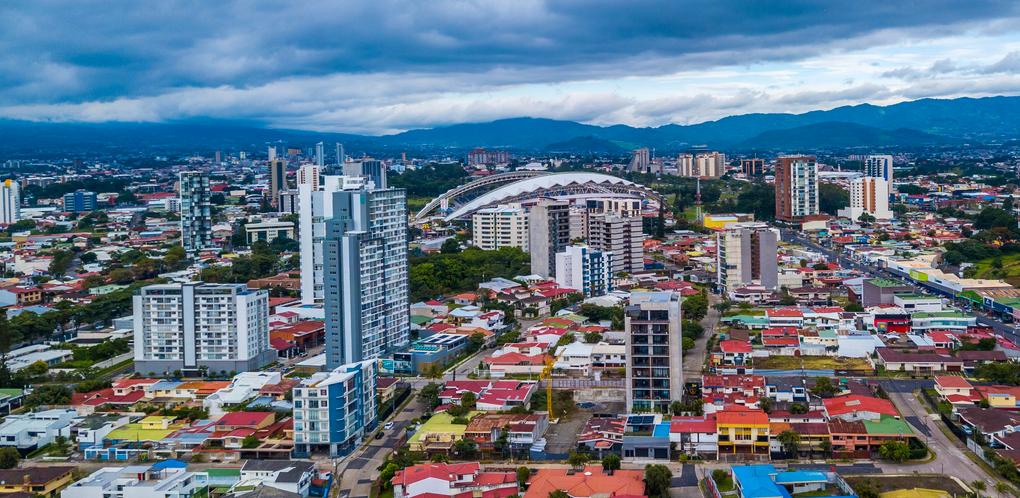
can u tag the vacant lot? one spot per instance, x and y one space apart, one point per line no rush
1006 267
811 363
888 483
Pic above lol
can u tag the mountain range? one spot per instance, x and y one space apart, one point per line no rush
926 122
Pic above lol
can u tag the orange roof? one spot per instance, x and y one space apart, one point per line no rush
953 382
742 417
586 484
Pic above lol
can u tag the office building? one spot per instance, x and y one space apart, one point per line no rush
269 230
640 160
621 236
752 167
372 170
289 202
277 179
10 202
868 194
585 269
548 234
334 411
500 226
746 254
80 201
796 188
196 211
193 326
365 280
320 155
878 166
309 174
654 351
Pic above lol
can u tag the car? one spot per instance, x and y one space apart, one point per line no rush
379 435
388 426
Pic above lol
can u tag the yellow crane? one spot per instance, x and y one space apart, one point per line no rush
547 377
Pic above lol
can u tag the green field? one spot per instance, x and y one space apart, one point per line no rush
1007 268
811 363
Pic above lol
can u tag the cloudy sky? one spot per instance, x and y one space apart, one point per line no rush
382 66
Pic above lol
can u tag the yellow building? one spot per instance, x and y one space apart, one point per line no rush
39 481
743 432
721 221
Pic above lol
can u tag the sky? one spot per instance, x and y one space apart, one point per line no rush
383 66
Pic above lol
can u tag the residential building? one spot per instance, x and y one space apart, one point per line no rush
652 336
80 201
746 253
640 160
289 202
137 481
878 291
868 195
291 476
268 231
796 188
435 480
621 236
32 430
752 167
196 211
365 279
548 234
10 202
277 179
335 410
743 431
371 170
585 269
703 165
483 157
216 327
500 226
309 174
35 481
591 483
878 166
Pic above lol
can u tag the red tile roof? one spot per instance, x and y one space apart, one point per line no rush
854 403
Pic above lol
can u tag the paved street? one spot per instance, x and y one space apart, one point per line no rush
694 360
359 470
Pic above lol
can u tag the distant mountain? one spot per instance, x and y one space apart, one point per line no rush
841 136
908 124
586 145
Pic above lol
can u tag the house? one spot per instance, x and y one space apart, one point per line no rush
990 421
500 395
292 476
695 435
245 420
515 363
36 481
955 389
28 431
765 481
149 481
438 434
93 429
856 407
20 296
743 431
591 482
733 357
603 435
522 430
433 480
917 362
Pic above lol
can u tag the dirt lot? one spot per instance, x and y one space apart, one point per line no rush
890 483
811 363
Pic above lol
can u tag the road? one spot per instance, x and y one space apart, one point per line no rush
359 470
694 359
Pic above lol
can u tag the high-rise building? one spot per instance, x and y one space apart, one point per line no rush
796 187
746 254
277 179
501 226
640 160
334 411
868 194
703 165
481 157
288 202
320 155
309 173
879 166
340 156
218 327
373 170
196 211
548 234
365 279
585 269
80 201
654 351
685 165
621 236
752 167
10 202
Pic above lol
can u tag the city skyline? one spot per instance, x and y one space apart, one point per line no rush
383 67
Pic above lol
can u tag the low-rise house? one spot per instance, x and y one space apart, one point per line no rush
521 431
432 480
917 362
137 481
733 358
990 421
603 435
743 431
28 431
956 390
592 482
292 476
497 395
35 481
93 429
695 436
856 407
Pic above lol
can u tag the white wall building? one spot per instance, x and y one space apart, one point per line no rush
28 431
868 194
500 226
746 253
222 327
136 481
585 269
335 410
653 341
10 202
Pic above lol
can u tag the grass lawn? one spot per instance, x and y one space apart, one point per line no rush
927 481
1010 271
811 363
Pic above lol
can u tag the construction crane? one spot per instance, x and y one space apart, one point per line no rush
547 377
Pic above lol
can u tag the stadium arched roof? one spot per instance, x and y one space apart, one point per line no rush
554 185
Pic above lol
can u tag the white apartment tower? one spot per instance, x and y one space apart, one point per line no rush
879 166
654 351
10 202
585 269
868 194
621 236
746 254
187 327
703 165
640 160
309 174
501 226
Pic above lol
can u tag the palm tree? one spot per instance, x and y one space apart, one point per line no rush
1003 489
978 486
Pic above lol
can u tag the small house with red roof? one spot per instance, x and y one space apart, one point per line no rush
461 480
856 407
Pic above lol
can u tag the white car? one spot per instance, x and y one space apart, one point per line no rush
388 426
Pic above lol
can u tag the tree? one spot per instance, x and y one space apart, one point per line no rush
854 308
687 344
695 307
660 222
978 485
791 443
658 479
826 448
9 457
49 394
611 462
450 246
465 448
765 404
388 471
467 400
896 451
823 388
429 396
577 460
592 337
865 489
1003 489
832 198
523 474
559 493
798 408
